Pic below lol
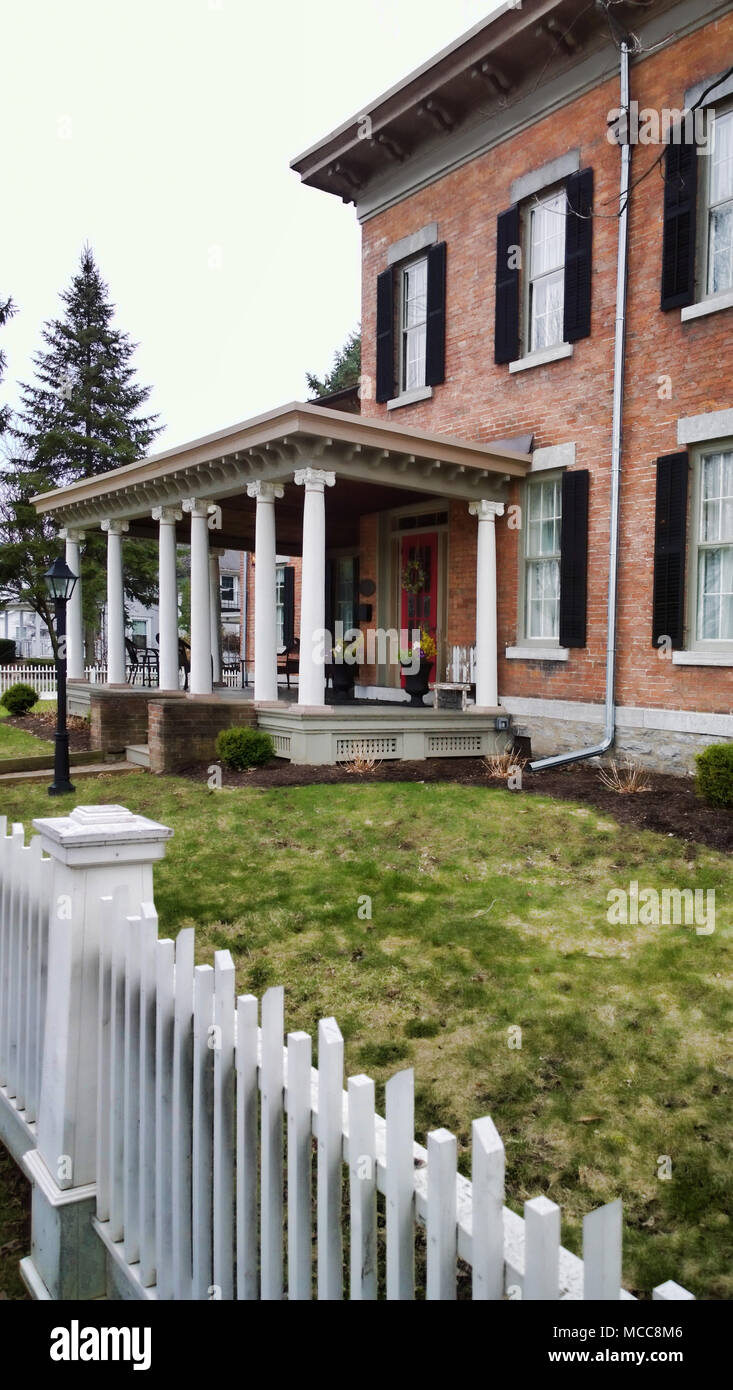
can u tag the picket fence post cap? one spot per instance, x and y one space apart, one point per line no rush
100 834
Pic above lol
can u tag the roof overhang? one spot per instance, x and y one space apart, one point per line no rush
506 72
271 447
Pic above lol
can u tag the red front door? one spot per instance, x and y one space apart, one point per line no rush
419 572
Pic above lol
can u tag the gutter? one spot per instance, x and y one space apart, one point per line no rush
609 734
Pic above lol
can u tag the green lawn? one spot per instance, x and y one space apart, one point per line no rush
16 743
488 915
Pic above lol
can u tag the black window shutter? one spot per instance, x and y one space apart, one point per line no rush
680 217
506 323
435 334
670 534
574 558
289 605
385 336
578 255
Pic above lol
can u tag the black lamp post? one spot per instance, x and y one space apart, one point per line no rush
60 583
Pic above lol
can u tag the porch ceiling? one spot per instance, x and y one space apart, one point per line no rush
376 464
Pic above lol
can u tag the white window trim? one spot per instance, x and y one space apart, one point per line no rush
537 358
538 653
714 305
705 303
420 393
540 359
530 647
404 396
699 652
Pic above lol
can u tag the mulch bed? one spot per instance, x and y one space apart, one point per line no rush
671 806
44 726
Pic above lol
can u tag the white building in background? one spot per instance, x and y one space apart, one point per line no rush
24 627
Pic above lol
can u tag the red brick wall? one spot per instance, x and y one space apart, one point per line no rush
570 400
183 731
247 570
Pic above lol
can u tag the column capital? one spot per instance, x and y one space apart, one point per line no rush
71 534
166 515
264 491
197 507
486 510
314 479
115 528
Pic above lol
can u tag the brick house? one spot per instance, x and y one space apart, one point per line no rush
542 469
482 150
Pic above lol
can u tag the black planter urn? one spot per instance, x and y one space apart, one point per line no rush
417 683
343 677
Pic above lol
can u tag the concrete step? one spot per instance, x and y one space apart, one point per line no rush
138 753
84 770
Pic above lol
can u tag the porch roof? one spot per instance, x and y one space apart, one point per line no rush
379 461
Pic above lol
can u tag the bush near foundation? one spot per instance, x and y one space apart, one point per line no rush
242 748
19 698
7 651
715 774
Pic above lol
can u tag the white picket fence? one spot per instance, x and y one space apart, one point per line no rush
461 665
224 1165
25 889
43 678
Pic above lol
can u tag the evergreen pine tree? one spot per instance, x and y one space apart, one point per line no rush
346 369
7 309
79 418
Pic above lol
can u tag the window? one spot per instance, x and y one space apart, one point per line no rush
719 275
414 298
714 598
546 257
139 633
542 559
345 584
229 589
280 605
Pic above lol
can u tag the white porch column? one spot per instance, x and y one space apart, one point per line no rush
265 589
215 614
115 603
487 684
166 518
200 682
311 676
74 624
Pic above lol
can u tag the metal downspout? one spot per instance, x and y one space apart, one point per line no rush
558 759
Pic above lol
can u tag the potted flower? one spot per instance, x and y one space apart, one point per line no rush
417 682
342 669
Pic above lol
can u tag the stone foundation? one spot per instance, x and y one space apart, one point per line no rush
662 740
182 729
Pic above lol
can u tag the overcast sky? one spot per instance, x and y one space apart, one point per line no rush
161 131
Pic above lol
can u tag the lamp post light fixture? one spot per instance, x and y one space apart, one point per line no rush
60 582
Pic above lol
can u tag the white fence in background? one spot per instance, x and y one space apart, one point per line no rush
195 1134
43 678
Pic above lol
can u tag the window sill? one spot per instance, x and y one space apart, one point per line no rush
537 653
702 658
707 306
420 393
539 359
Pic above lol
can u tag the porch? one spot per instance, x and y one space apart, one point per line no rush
353 497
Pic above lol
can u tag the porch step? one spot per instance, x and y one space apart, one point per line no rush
138 753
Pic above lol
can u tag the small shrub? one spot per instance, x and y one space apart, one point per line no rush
19 698
500 766
242 748
715 774
361 764
7 651
625 779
